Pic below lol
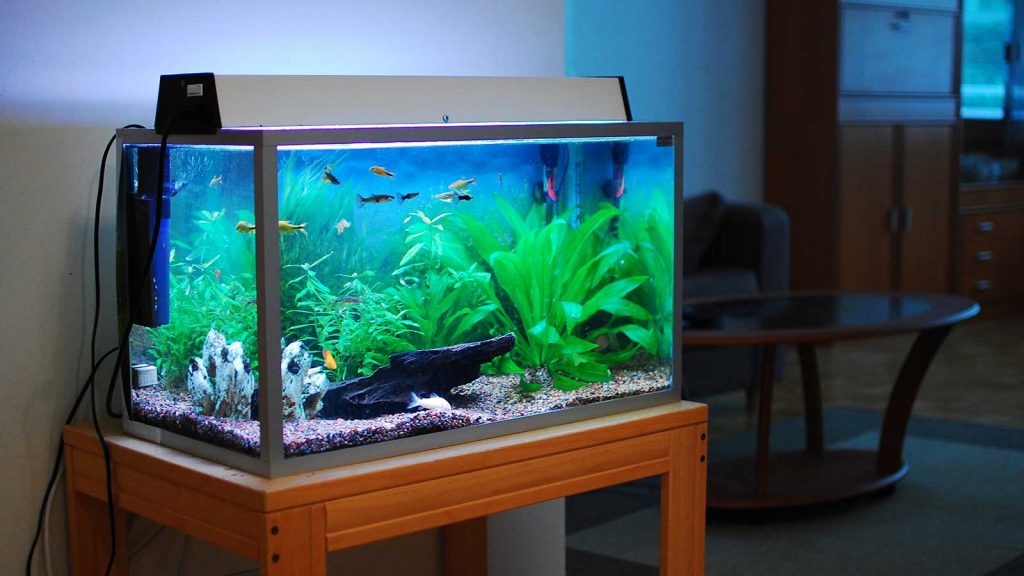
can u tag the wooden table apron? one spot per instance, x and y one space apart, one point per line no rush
289 524
816 475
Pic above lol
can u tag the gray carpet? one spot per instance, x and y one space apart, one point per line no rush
959 512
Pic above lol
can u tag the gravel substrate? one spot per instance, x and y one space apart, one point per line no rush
173 411
486 399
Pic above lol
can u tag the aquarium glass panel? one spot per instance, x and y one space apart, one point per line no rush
437 285
194 368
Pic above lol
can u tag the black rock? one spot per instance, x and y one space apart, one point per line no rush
425 372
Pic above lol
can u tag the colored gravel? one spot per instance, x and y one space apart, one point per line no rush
486 399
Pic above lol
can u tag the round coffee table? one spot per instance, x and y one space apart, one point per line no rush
817 475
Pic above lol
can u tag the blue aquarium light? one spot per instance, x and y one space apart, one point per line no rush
207 148
450 143
424 125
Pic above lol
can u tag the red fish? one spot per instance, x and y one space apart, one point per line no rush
216 272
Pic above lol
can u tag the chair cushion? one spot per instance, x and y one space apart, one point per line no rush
701 216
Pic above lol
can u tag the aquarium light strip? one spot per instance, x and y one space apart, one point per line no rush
434 125
236 147
433 144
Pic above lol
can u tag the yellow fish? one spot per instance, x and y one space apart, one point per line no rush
380 171
287 227
245 227
461 184
329 362
342 224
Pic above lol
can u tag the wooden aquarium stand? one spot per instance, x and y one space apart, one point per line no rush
289 524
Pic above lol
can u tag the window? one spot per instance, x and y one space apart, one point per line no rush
988 34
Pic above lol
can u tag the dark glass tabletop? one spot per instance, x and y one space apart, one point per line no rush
810 317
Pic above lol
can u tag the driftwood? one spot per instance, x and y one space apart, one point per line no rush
425 372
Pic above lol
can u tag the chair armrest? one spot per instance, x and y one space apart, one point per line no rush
754 237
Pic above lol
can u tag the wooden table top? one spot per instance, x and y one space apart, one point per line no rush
257 492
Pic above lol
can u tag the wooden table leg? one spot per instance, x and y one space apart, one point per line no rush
764 417
89 535
294 542
465 548
683 501
812 398
89 531
904 392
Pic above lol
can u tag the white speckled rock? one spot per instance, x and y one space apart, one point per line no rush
200 387
313 389
234 384
215 342
295 361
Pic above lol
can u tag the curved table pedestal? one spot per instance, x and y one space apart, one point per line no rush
817 475
798 479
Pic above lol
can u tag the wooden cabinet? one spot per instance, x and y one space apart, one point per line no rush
991 255
861 140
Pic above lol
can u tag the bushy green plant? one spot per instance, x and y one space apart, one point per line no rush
558 291
200 300
211 285
359 325
650 235
443 295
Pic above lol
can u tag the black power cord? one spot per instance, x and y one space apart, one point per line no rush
123 345
95 364
60 456
90 381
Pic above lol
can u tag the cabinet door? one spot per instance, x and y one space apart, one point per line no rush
866 195
927 199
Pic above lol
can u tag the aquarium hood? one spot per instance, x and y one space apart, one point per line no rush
277 101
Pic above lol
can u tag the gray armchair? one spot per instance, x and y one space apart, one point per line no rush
748 252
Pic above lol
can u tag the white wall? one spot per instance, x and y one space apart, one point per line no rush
698 61
70 72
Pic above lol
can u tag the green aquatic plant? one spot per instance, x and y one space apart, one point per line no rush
214 238
306 199
559 293
358 324
443 294
201 298
650 234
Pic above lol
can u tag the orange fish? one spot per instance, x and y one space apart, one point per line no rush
329 362
380 171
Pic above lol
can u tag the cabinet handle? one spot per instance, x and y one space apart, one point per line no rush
985 226
908 218
900 218
983 285
984 256
894 220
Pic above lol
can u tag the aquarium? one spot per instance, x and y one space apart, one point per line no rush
305 297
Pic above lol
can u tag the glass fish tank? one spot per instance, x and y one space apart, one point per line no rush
298 298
